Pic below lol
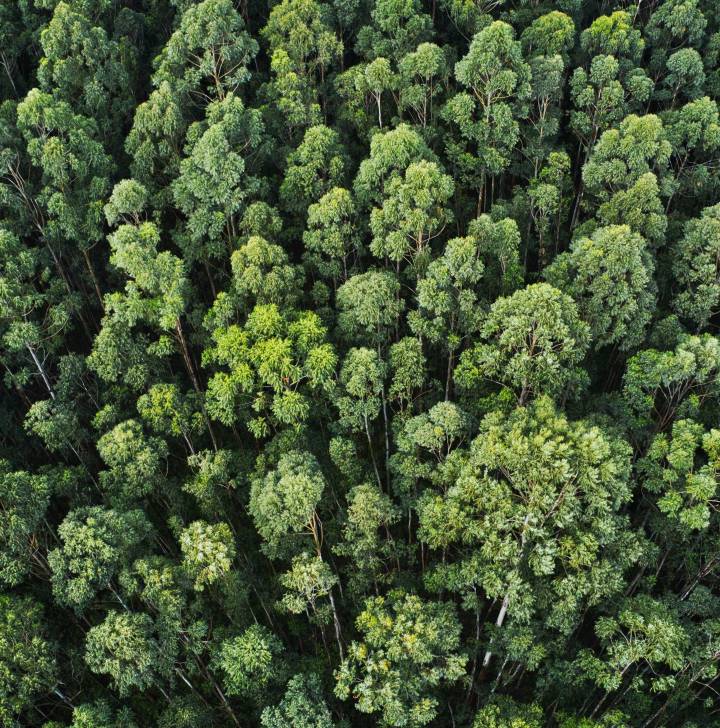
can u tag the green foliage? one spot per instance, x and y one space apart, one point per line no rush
24 499
208 54
532 342
497 80
506 713
302 705
413 213
284 501
610 277
535 511
95 543
682 470
663 385
369 305
409 648
208 552
695 262
123 647
27 663
331 239
135 461
359 363
277 361
214 183
249 662
314 168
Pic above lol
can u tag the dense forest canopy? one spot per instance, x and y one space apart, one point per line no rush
360 363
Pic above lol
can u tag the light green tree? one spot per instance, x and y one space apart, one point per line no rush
409 648
532 342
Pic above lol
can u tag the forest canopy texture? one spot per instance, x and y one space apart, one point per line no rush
360 363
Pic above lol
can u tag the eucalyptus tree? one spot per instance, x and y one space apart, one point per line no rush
508 518
531 342
610 277
695 267
409 648
94 544
486 114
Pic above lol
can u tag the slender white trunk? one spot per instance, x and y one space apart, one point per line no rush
40 369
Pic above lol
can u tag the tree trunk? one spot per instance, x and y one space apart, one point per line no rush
41 370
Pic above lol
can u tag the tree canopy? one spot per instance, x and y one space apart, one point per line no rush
360 364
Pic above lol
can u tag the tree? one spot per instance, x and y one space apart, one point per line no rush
610 277
74 169
369 305
639 207
302 705
506 713
249 662
497 80
681 469
685 75
332 242
309 580
214 183
448 308
101 715
613 35
156 138
377 79
123 646
535 511
408 373
601 98
207 57
412 215
672 24
498 242
86 68
425 445
169 411
424 73
276 362
208 552
363 395
644 631
33 317
659 386
284 502
531 341
24 502
694 133
95 543
303 48
695 267
28 667
548 203
410 647
369 511
135 461
19 24
548 35
546 81
391 153
313 169
399 26
157 290
261 274
621 156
